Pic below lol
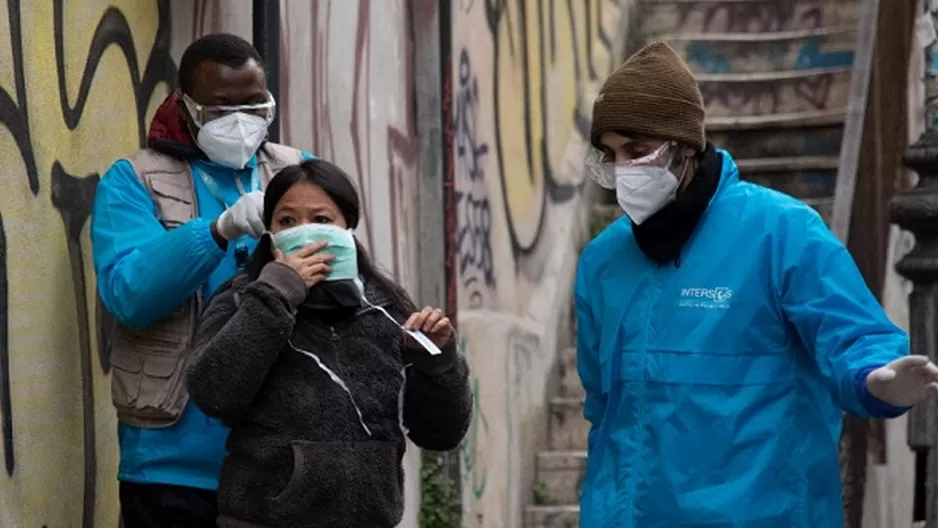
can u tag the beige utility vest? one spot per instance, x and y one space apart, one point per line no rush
148 366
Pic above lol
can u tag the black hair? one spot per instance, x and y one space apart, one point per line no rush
223 48
338 186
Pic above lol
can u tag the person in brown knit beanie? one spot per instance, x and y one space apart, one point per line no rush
721 329
652 94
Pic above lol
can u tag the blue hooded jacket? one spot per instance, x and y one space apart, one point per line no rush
715 385
145 272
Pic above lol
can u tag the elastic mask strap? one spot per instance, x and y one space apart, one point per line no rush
338 381
683 177
418 336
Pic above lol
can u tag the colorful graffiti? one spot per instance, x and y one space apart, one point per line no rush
520 101
472 450
824 56
474 236
524 74
69 109
543 61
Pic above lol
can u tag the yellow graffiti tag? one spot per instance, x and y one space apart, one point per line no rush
78 79
548 58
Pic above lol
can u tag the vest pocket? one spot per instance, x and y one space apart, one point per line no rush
147 386
158 386
173 201
126 376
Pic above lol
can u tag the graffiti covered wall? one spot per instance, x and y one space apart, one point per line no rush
523 74
345 95
79 81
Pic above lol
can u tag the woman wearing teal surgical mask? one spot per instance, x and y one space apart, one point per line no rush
299 356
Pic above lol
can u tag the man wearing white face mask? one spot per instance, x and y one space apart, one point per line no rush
722 329
171 224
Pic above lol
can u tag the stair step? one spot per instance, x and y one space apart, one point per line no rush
768 54
790 120
568 428
552 517
789 164
559 476
570 386
768 36
658 17
769 76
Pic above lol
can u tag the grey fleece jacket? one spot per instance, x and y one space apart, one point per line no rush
315 407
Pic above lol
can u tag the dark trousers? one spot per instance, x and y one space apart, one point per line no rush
165 506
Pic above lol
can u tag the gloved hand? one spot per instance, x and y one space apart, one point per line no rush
905 381
245 217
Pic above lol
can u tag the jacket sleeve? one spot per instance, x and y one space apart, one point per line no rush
144 272
587 356
438 406
834 313
240 337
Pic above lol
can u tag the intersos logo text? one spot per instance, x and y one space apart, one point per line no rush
705 297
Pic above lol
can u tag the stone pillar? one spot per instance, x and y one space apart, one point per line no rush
916 210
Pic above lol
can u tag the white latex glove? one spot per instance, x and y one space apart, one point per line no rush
905 381
245 217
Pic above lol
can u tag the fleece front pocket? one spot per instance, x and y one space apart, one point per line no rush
333 482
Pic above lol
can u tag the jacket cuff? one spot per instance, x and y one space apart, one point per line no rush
873 405
437 365
286 281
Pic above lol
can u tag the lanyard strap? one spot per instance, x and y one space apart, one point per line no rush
215 190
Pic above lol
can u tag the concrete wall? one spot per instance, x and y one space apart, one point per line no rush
524 74
78 82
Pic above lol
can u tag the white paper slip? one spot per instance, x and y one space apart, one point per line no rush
425 342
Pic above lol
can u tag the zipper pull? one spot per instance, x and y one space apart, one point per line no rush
335 336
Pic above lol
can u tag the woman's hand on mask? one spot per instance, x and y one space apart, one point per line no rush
310 266
433 323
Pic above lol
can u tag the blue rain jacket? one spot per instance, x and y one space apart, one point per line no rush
715 384
144 273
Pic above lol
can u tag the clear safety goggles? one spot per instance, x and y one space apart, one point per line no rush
601 167
202 114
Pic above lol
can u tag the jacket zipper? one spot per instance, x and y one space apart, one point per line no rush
334 336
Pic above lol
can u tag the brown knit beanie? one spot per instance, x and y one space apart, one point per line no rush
652 94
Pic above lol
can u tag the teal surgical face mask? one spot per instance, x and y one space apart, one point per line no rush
341 244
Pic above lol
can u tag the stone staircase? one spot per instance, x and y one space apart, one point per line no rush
775 77
560 469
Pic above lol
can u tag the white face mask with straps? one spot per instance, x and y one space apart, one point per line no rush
644 186
644 190
231 135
